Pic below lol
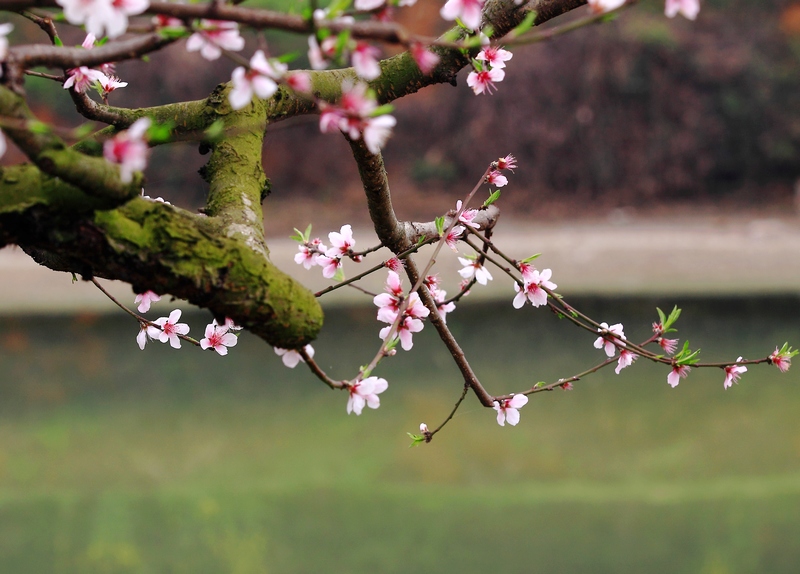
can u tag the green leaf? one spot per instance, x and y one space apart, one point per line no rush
37 127
339 275
440 225
173 32
531 258
74 278
539 385
492 198
416 439
289 57
382 110
57 41
160 133
525 25
214 131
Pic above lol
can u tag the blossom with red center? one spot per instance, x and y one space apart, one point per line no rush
213 36
394 264
109 84
452 237
365 61
291 358
606 341
442 305
527 270
162 21
365 393
353 116
405 329
259 80
509 162
145 299
218 338
484 80
781 359
601 6
534 289
474 267
508 409
468 11
732 374
128 149
626 359
81 78
299 82
425 59
341 242
330 265
495 56
170 329
567 386
677 373
467 216
687 8
309 253
389 302
669 345
496 178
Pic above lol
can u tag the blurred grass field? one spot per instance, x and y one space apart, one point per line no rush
116 460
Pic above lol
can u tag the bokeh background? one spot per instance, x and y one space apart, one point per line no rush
659 159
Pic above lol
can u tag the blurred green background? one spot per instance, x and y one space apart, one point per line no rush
117 460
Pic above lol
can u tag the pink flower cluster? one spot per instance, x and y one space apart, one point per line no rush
314 252
129 149
688 8
214 36
439 296
102 17
364 57
354 116
389 303
488 69
260 80
533 288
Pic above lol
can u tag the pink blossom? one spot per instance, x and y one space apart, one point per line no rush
425 59
688 8
145 299
608 342
781 360
534 289
440 296
299 82
170 329
81 78
678 372
144 334
162 21
389 302
509 162
309 253
467 216
468 11
213 36
567 386
292 358
394 264
416 308
229 325
341 242
102 17
365 61
452 237
365 392
732 374
527 271
496 178
600 6
669 345
473 267
423 428
260 80
330 265
484 80
405 329
109 84
218 338
508 409
626 359
377 132
128 149
496 57
316 58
